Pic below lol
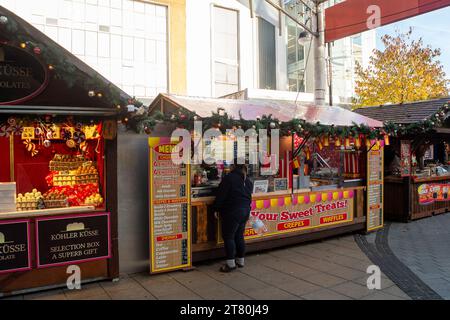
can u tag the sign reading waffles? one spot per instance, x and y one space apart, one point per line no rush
300 212
169 208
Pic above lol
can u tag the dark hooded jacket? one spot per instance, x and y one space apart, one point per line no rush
234 195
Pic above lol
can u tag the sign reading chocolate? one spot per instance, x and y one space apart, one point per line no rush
14 246
22 76
298 212
68 239
169 208
375 188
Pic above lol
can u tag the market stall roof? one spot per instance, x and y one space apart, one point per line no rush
404 113
250 109
68 80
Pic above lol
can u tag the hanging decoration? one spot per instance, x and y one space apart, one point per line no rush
38 133
31 147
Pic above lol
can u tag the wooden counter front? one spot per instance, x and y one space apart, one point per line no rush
205 225
402 198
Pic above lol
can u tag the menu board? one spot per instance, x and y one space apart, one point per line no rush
14 246
170 240
375 188
67 239
405 158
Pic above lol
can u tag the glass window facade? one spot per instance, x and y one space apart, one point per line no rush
124 40
225 51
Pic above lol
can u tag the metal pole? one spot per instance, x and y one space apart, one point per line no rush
330 75
319 59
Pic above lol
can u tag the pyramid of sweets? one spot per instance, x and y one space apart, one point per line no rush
84 174
65 162
28 201
95 199
87 173
55 199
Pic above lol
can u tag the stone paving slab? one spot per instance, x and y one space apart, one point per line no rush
324 270
424 246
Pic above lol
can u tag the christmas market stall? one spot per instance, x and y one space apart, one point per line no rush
417 172
58 160
318 187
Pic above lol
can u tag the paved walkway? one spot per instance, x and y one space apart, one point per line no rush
329 269
424 246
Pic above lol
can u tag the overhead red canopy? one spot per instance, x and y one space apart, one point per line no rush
350 17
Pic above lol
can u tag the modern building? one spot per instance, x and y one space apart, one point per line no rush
195 47
126 41
229 48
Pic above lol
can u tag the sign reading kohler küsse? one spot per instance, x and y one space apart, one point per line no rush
68 239
14 246
22 75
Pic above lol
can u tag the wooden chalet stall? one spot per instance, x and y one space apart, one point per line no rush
58 163
317 191
417 175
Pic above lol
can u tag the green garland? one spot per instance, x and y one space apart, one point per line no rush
222 121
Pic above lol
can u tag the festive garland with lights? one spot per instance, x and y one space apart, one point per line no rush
321 133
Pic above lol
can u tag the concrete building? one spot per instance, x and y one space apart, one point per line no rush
228 50
126 41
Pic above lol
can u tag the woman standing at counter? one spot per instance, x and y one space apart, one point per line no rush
233 200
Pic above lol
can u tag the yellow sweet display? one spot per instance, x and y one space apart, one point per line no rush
84 174
95 199
28 201
64 162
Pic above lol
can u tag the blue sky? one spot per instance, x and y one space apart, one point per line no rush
433 27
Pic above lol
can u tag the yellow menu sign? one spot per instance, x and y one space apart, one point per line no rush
375 177
170 208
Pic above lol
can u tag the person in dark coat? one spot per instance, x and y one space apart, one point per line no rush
233 202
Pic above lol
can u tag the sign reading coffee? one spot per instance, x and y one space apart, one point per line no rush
14 246
22 76
64 240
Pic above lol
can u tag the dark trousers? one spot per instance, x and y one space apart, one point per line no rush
233 227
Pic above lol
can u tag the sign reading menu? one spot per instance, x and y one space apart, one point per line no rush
68 239
375 188
14 246
170 241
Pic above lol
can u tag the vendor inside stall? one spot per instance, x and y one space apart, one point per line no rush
317 187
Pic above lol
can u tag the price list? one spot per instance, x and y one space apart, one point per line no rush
375 189
169 209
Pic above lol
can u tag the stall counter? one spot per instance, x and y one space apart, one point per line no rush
412 198
289 218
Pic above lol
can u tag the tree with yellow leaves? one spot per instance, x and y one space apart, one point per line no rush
405 71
